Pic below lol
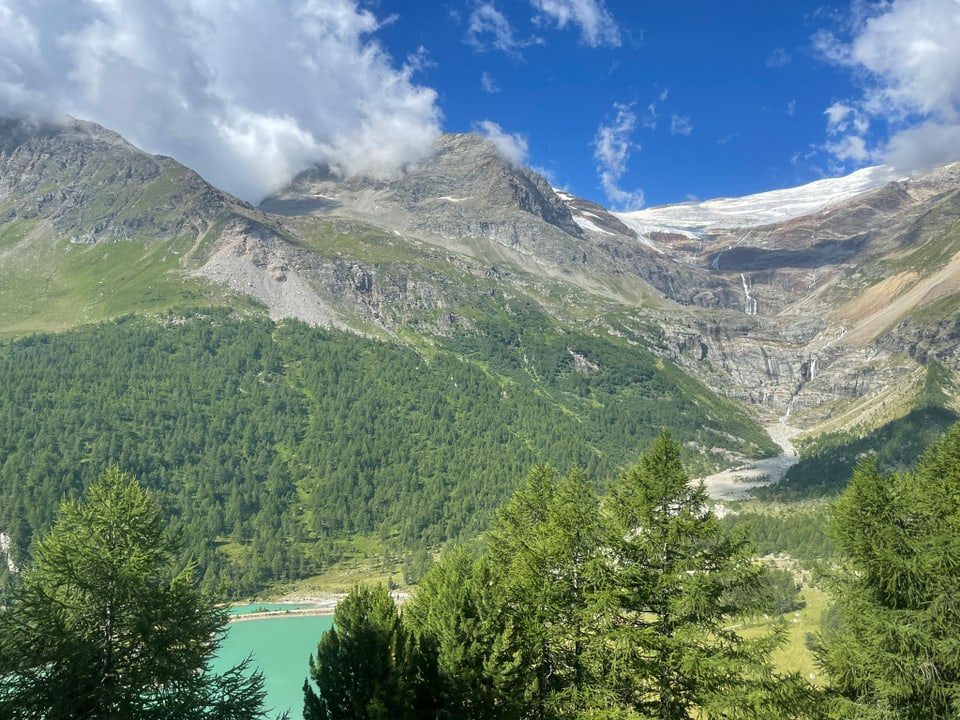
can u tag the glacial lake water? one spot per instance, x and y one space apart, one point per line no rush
280 647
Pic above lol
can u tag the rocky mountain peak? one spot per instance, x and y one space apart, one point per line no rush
93 186
466 190
470 168
793 301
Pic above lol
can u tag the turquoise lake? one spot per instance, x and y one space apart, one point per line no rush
280 647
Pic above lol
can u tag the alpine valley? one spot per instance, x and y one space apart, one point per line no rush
362 367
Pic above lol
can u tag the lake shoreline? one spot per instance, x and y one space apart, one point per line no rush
300 605
319 605
276 614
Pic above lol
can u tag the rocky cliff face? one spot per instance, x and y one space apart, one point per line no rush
784 316
806 316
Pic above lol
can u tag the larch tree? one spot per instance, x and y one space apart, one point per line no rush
548 545
895 650
365 665
464 623
512 628
681 584
95 630
614 607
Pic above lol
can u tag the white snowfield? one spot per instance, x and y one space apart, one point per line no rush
693 219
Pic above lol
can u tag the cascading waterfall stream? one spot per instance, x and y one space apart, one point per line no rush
750 302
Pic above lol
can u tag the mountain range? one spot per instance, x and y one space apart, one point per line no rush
818 307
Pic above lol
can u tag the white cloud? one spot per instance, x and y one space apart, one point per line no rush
488 84
247 93
831 48
611 150
850 148
490 28
597 25
791 107
779 58
649 120
680 125
512 146
843 117
907 58
928 144
837 115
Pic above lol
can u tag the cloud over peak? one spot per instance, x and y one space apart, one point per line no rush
612 147
513 146
245 93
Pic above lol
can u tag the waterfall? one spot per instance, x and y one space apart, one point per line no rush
750 302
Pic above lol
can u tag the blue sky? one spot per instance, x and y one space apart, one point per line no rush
624 102
711 99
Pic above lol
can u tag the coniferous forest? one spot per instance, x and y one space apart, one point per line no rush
625 604
609 589
578 603
275 446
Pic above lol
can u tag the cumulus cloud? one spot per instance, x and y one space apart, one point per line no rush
928 144
849 148
512 146
612 147
247 93
680 125
907 58
597 26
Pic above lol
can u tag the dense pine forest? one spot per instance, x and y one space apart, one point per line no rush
277 448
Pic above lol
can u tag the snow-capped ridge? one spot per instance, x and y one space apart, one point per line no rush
693 219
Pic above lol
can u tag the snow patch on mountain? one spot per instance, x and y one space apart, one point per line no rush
694 219
592 217
584 221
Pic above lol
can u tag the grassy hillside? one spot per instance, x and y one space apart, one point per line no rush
58 284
